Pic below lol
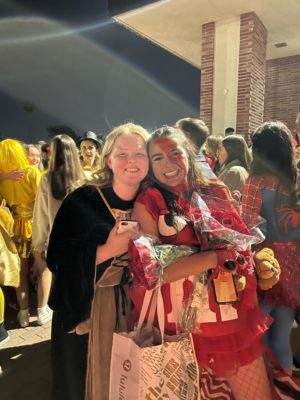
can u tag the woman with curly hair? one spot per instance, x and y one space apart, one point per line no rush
229 346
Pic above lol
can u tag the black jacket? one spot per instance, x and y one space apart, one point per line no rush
82 223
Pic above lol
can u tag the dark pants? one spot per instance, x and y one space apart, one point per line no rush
69 360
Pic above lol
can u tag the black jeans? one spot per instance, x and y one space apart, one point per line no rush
68 361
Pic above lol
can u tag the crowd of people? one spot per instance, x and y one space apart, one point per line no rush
68 202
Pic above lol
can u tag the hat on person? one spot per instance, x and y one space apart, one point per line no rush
89 135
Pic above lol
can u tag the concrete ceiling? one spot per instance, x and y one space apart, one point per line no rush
175 25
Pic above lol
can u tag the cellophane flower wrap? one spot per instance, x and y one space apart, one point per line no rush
148 257
218 226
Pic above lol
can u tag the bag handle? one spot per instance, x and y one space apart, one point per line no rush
105 202
155 300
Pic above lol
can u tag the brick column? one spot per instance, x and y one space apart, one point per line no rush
251 75
282 96
207 73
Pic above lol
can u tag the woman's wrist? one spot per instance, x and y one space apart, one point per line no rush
103 253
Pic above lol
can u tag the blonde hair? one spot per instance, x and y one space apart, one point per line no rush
213 143
38 148
104 175
12 156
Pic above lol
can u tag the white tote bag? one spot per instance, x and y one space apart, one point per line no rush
165 371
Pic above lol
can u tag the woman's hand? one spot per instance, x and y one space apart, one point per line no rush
197 263
191 265
116 243
16 175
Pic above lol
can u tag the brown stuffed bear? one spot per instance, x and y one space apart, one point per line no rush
267 268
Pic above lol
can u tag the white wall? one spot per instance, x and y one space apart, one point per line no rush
227 41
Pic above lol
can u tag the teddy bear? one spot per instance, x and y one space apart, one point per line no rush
267 268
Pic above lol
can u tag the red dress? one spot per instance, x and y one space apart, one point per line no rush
232 336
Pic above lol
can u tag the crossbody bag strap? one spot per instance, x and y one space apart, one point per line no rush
105 202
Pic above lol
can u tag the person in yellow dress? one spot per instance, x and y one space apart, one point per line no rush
20 196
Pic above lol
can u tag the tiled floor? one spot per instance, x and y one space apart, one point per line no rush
25 360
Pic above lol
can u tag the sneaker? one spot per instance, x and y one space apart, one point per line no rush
44 315
23 318
4 336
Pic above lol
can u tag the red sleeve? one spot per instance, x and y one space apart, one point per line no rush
251 200
154 202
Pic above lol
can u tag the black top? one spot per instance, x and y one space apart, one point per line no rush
82 223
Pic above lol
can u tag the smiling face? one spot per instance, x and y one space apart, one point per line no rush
169 162
34 156
88 151
128 161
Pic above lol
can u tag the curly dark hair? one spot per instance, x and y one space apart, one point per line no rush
273 154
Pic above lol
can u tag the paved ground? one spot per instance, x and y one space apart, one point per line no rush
25 360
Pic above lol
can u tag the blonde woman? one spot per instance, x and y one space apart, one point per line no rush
63 175
211 151
20 197
34 155
83 244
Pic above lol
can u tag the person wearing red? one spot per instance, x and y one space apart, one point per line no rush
228 345
271 192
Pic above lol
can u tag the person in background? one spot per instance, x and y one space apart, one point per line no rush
9 262
272 192
46 152
89 148
229 131
34 156
211 151
83 245
197 131
4 335
20 197
234 158
64 173
296 132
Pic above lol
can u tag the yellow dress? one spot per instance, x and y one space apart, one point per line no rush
19 194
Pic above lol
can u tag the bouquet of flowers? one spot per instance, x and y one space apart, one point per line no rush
148 257
218 225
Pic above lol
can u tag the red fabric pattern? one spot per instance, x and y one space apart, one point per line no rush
251 197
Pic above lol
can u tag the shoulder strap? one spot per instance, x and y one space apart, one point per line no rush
105 202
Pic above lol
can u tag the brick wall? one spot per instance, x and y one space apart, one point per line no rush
251 75
282 96
207 73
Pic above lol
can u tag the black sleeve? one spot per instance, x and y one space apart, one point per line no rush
71 257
